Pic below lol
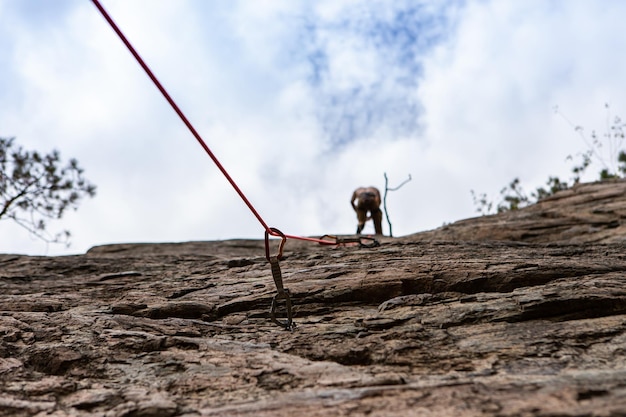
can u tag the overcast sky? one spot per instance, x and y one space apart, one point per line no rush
302 102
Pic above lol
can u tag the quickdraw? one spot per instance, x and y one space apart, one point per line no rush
363 241
281 292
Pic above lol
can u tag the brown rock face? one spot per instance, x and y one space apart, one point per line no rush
586 213
516 314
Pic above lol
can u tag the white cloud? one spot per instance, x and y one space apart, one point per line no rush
301 103
488 93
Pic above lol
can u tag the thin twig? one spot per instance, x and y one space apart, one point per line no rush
385 199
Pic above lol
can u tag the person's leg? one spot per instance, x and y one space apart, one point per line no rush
377 218
362 218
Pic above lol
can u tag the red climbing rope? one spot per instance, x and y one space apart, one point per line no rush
194 132
178 111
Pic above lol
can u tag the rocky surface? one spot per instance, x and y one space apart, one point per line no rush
586 213
516 314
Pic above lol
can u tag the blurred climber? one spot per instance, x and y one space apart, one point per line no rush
368 201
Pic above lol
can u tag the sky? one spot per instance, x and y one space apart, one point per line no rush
302 102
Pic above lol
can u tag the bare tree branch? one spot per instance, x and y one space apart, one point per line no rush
387 188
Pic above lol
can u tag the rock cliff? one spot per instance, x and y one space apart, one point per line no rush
522 313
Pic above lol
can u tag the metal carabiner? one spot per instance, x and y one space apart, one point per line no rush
282 294
275 232
371 242
287 324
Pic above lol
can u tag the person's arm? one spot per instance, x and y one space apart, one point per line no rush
354 197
